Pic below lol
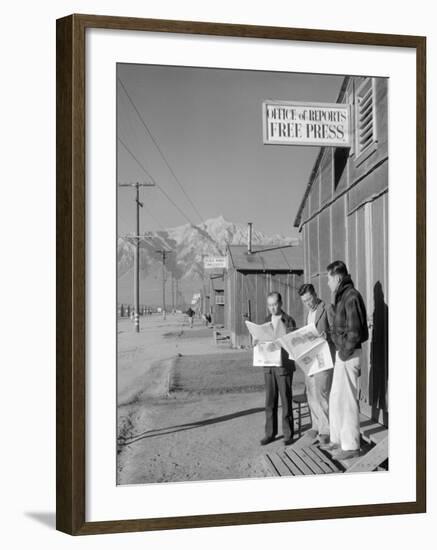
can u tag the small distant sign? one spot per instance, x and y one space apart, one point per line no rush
297 123
215 262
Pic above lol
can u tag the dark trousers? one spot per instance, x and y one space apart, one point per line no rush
278 384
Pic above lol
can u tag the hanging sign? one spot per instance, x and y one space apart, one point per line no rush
297 123
215 262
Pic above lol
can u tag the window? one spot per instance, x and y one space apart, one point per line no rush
365 116
220 299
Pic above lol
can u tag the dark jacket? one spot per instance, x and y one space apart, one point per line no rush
288 365
348 319
322 325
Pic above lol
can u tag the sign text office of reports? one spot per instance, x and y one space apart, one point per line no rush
294 123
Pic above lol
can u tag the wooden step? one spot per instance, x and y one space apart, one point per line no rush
372 459
371 430
293 461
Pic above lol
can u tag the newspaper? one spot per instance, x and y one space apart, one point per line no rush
309 350
261 333
266 353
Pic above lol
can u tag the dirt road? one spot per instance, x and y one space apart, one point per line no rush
207 427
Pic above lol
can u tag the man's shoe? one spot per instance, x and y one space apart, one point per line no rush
266 440
288 441
329 446
344 455
324 439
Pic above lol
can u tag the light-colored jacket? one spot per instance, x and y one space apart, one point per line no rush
322 325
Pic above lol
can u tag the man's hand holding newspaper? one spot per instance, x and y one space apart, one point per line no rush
305 346
266 350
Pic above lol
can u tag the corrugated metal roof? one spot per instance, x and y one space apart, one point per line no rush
287 258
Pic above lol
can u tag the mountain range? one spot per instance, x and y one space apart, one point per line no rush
186 245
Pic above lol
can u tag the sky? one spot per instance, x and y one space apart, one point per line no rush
208 125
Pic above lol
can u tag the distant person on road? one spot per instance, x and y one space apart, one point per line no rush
191 313
278 379
348 324
207 319
318 386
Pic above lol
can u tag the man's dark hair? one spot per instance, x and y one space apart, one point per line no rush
306 287
337 268
277 294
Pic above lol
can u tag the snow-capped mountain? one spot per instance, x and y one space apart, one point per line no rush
187 245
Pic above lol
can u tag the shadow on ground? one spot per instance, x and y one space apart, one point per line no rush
191 425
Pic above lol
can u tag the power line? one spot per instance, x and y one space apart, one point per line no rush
134 133
160 150
285 258
154 181
160 226
135 159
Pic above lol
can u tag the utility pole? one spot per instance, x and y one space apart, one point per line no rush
137 237
172 292
163 257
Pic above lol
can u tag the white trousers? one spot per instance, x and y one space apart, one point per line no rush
318 387
344 410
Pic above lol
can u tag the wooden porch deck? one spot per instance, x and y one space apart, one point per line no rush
305 457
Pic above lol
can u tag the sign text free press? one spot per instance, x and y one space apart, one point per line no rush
296 123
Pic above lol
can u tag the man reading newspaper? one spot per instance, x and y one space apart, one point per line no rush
278 368
318 386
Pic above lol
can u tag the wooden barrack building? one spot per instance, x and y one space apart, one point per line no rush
249 278
344 216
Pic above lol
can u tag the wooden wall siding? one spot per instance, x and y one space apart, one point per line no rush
218 316
217 311
307 248
314 202
306 210
338 217
378 312
325 254
360 277
352 244
313 252
365 234
381 92
253 288
326 176
386 222
322 186
229 299
360 281
352 225
376 183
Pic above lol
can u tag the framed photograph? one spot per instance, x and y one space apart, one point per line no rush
240 274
